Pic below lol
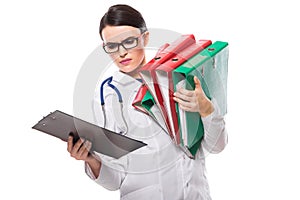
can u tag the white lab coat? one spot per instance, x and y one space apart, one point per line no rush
160 170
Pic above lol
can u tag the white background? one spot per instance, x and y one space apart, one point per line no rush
43 45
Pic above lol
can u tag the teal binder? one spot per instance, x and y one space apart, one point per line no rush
211 68
152 109
148 102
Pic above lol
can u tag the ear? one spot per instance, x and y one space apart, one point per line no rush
146 38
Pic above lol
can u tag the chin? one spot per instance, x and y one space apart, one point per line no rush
128 69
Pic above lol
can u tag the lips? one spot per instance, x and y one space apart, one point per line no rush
125 61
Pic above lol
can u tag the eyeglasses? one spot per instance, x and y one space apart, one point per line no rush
128 43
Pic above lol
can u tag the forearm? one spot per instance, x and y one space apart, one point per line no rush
109 175
95 166
215 134
206 109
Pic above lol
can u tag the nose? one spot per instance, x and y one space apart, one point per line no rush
122 51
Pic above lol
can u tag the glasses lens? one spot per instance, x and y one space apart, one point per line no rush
130 42
111 47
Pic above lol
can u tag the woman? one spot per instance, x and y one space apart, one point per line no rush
159 170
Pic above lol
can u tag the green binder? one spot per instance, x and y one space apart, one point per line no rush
149 104
210 66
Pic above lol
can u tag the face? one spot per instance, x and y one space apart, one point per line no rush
131 59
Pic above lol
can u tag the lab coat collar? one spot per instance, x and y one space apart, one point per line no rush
124 79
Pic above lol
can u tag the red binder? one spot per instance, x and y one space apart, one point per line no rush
147 72
169 50
165 83
137 102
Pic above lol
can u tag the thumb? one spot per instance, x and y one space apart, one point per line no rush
197 83
198 87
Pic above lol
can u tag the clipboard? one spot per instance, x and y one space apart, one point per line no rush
104 141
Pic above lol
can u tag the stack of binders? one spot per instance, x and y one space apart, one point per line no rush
174 67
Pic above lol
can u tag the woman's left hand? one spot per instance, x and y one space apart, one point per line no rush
194 100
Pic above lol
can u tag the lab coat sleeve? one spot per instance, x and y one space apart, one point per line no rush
215 134
111 175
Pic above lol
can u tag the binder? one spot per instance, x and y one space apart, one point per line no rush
150 105
211 67
145 103
165 83
60 125
147 72
137 102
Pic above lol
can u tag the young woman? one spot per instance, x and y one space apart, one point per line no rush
159 170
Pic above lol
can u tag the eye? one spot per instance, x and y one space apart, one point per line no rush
111 45
129 41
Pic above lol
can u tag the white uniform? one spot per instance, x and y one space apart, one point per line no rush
160 170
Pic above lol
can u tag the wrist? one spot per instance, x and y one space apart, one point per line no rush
206 109
93 162
95 166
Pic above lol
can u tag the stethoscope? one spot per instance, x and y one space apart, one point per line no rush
108 81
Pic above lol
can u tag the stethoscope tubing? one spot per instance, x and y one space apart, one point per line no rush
108 81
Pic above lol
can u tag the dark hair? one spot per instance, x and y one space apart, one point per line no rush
122 15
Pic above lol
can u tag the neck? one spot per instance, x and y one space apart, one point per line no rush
134 73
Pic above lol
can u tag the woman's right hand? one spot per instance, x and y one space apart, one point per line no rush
80 151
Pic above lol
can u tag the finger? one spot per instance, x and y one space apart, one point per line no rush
181 102
81 150
76 147
88 146
183 96
185 107
186 92
198 86
70 143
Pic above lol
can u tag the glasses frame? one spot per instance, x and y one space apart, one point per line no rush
122 44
